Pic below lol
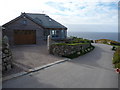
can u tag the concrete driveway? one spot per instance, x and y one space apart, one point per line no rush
93 70
31 56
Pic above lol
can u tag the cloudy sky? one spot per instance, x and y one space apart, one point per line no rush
72 13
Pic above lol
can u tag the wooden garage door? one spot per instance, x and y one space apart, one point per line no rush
25 36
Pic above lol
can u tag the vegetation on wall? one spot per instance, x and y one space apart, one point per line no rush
69 43
79 40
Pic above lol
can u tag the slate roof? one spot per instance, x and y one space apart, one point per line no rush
42 19
45 21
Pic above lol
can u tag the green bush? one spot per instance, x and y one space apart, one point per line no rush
116 58
114 48
69 43
60 44
79 40
117 65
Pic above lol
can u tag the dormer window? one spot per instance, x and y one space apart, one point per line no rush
24 17
50 20
24 22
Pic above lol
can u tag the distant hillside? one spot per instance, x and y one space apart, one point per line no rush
107 41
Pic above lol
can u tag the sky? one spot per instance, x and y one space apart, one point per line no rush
77 15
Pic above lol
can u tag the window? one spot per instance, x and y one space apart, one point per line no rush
54 33
62 33
50 20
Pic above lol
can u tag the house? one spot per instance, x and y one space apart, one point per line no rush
30 28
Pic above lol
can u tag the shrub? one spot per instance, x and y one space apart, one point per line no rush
69 43
117 65
114 48
116 58
115 43
79 40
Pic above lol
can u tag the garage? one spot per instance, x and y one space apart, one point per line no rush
24 37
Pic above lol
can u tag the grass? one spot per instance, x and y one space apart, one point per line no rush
75 41
116 46
70 43
78 40
105 41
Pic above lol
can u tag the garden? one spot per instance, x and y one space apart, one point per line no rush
72 48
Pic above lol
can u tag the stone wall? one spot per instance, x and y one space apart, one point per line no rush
64 50
6 55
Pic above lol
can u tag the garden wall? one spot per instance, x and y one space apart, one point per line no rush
68 49
6 56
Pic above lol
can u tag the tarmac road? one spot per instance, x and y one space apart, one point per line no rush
93 70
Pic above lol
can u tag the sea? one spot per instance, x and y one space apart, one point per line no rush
96 35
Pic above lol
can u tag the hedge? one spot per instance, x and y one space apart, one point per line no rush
69 43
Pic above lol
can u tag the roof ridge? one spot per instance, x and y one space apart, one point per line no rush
36 13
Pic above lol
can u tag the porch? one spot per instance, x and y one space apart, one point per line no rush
56 34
